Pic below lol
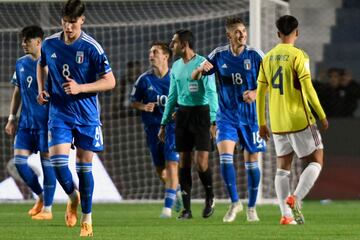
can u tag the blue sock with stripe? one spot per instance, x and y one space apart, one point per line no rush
62 172
170 196
49 181
229 175
27 174
253 179
86 185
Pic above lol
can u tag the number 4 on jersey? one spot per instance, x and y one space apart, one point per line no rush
279 85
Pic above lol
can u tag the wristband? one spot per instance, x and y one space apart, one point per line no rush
12 117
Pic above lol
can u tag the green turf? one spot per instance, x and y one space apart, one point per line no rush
337 220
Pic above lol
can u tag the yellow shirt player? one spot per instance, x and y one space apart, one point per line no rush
285 74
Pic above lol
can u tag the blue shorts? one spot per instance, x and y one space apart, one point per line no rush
30 139
83 136
161 152
247 135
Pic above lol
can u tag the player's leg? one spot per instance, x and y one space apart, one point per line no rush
282 178
59 148
172 162
24 146
308 146
87 139
253 143
49 181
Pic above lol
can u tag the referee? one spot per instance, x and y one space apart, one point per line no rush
195 118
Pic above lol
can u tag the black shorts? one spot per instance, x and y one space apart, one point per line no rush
192 128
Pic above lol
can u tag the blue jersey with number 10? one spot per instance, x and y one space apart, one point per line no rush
33 115
84 61
149 88
236 74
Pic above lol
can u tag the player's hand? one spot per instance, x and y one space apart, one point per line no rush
161 134
71 87
249 96
213 131
43 97
149 107
10 127
264 132
206 67
324 124
173 116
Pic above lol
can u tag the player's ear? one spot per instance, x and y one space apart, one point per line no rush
278 33
297 32
82 19
228 35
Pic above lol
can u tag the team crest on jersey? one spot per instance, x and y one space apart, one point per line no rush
247 64
79 57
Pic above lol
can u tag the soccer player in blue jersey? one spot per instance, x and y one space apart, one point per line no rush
237 67
197 106
149 95
77 69
31 133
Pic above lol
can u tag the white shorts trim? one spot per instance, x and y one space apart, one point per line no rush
302 143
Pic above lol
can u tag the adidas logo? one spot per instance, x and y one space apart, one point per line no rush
53 55
151 88
224 65
22 69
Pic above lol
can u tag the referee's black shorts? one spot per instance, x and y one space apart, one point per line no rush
192 128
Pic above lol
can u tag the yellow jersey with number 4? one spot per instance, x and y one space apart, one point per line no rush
285 73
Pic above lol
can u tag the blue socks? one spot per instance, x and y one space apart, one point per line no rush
253 179
62 172
170 196
86 185
49 181
27 174
229 175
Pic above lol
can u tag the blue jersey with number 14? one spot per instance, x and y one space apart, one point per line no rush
84 61
33 115
236 74
149 88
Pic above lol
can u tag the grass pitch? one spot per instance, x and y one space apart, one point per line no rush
336 220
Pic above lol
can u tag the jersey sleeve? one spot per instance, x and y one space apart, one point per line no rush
302 66
15 80
212 59
260 96
137 92
171 102
210 88
101 62
257 63
42 60
261 76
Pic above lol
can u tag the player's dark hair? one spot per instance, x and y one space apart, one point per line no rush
164 47
231 21
73 9
287 24
32 31
186 36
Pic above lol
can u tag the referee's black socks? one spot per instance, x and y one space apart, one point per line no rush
206 179
186 185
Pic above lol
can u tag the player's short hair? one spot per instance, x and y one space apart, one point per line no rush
73 9
30 32
231 21
287 24
164 47
186 35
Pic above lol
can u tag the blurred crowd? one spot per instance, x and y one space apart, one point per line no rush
338 92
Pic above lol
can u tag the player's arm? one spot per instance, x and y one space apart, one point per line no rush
148 107
104 83
303 71
14 107
260 105
42 73
204 69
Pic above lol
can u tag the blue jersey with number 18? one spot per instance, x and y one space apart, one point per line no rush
33 115
235 74
84 60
